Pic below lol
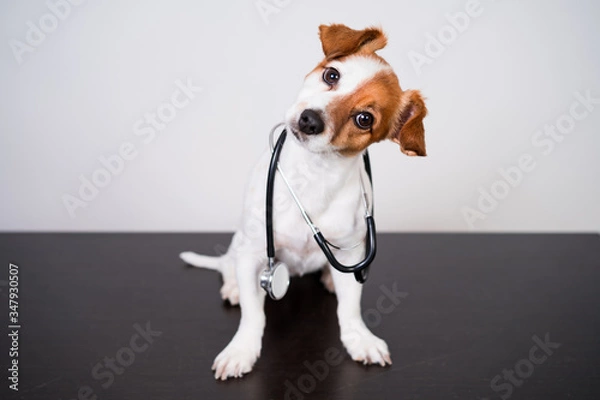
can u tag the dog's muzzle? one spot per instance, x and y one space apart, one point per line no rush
311 122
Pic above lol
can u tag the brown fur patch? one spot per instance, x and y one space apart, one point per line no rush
409 132
338 40
381 97
398 115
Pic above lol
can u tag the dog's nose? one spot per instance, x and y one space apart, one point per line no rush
311 123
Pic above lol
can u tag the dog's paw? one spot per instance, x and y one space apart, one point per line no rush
231 292
235 361
367 348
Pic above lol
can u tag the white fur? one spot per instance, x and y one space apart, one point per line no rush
329 187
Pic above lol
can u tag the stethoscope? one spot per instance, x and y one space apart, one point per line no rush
275 280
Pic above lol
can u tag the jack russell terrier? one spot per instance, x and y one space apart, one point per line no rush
349 101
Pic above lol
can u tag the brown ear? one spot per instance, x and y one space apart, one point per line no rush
339 40
409 132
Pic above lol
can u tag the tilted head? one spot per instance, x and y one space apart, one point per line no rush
353 98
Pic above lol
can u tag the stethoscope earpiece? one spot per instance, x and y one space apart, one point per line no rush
275 280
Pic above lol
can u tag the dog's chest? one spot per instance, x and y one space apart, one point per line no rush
329 191
333 207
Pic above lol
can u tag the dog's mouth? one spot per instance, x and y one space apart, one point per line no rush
296 132
298 135
317 142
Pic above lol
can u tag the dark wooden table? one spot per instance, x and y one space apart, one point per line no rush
119 316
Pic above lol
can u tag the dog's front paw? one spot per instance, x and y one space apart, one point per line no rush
235 361
365 347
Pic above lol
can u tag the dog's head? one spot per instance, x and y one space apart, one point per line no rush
353 98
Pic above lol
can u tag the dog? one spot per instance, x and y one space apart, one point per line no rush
350 100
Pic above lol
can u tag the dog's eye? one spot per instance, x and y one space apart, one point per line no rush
364 120
331 76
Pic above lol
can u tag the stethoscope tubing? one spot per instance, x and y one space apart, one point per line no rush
269 204
360 269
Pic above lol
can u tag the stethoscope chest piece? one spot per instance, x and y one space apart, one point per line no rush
275 280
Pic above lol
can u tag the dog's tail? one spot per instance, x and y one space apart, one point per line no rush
200 261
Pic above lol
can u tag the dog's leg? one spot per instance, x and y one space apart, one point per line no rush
360 342
230 290
224 264
243 350
326 279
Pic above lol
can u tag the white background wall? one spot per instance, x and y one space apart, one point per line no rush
78 93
